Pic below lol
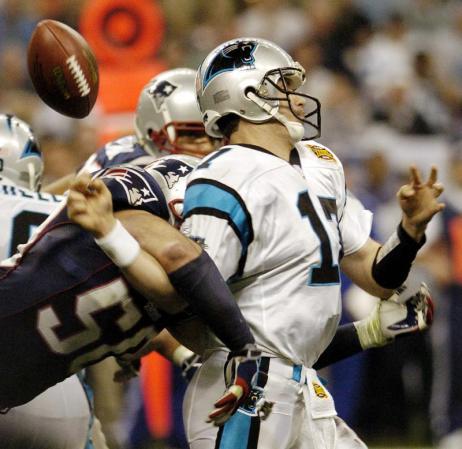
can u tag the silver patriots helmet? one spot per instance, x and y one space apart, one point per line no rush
21 160
250 77
167 107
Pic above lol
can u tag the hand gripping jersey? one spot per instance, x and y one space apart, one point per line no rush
64 305
277 231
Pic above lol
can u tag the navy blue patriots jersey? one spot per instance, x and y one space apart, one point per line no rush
65 305
133 188
120 151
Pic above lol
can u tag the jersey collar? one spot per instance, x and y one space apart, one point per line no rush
263 150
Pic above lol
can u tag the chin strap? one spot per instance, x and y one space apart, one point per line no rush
295 129
32 177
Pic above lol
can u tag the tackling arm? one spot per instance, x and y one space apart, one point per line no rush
189 269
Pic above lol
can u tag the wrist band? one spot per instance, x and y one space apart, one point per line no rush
119 245
180 354
369 331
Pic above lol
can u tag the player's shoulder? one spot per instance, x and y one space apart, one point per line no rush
316 154
171 173
243 162
133 187
180 164
123 150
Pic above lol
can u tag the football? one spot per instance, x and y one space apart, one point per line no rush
63 69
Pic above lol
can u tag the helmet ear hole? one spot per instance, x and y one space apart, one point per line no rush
250 89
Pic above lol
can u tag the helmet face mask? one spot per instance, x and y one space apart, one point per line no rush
168 138
241 67
21 161
167 107
286 81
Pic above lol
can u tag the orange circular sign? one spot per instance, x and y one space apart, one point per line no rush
123 32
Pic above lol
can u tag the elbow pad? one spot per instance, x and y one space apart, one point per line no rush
394 259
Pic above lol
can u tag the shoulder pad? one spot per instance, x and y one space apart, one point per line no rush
205 163
171 173
120 151
133 188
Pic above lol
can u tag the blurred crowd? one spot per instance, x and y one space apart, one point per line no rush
388 75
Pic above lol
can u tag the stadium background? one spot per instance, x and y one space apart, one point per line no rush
389 78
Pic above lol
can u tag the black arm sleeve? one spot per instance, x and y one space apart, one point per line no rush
394 259
200 283
344 344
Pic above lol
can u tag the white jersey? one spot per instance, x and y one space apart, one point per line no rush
276 231
22 211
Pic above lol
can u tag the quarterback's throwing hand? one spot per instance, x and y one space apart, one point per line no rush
89 204
241 371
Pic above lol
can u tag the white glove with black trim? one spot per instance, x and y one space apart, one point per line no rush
405 312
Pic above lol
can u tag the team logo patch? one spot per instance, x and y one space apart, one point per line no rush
160 92
235 56
173 170
31 149
319 390
137 189
322 153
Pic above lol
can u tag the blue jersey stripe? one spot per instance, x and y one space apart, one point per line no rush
213 197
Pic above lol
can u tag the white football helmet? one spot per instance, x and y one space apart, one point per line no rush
167 106
241 77
21 161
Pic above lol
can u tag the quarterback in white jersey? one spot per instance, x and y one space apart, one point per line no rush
283 240
61 416
274 215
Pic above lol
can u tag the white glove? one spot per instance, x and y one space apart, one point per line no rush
405 312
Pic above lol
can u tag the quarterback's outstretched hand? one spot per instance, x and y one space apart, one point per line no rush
405 312
241 371
89 204
418 201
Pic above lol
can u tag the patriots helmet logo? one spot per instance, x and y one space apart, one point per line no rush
160 92
234 56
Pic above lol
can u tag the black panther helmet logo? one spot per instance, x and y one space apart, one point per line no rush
160 92
234 56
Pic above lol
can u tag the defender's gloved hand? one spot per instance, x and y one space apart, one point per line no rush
241 370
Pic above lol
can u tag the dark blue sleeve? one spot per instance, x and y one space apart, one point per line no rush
133 188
